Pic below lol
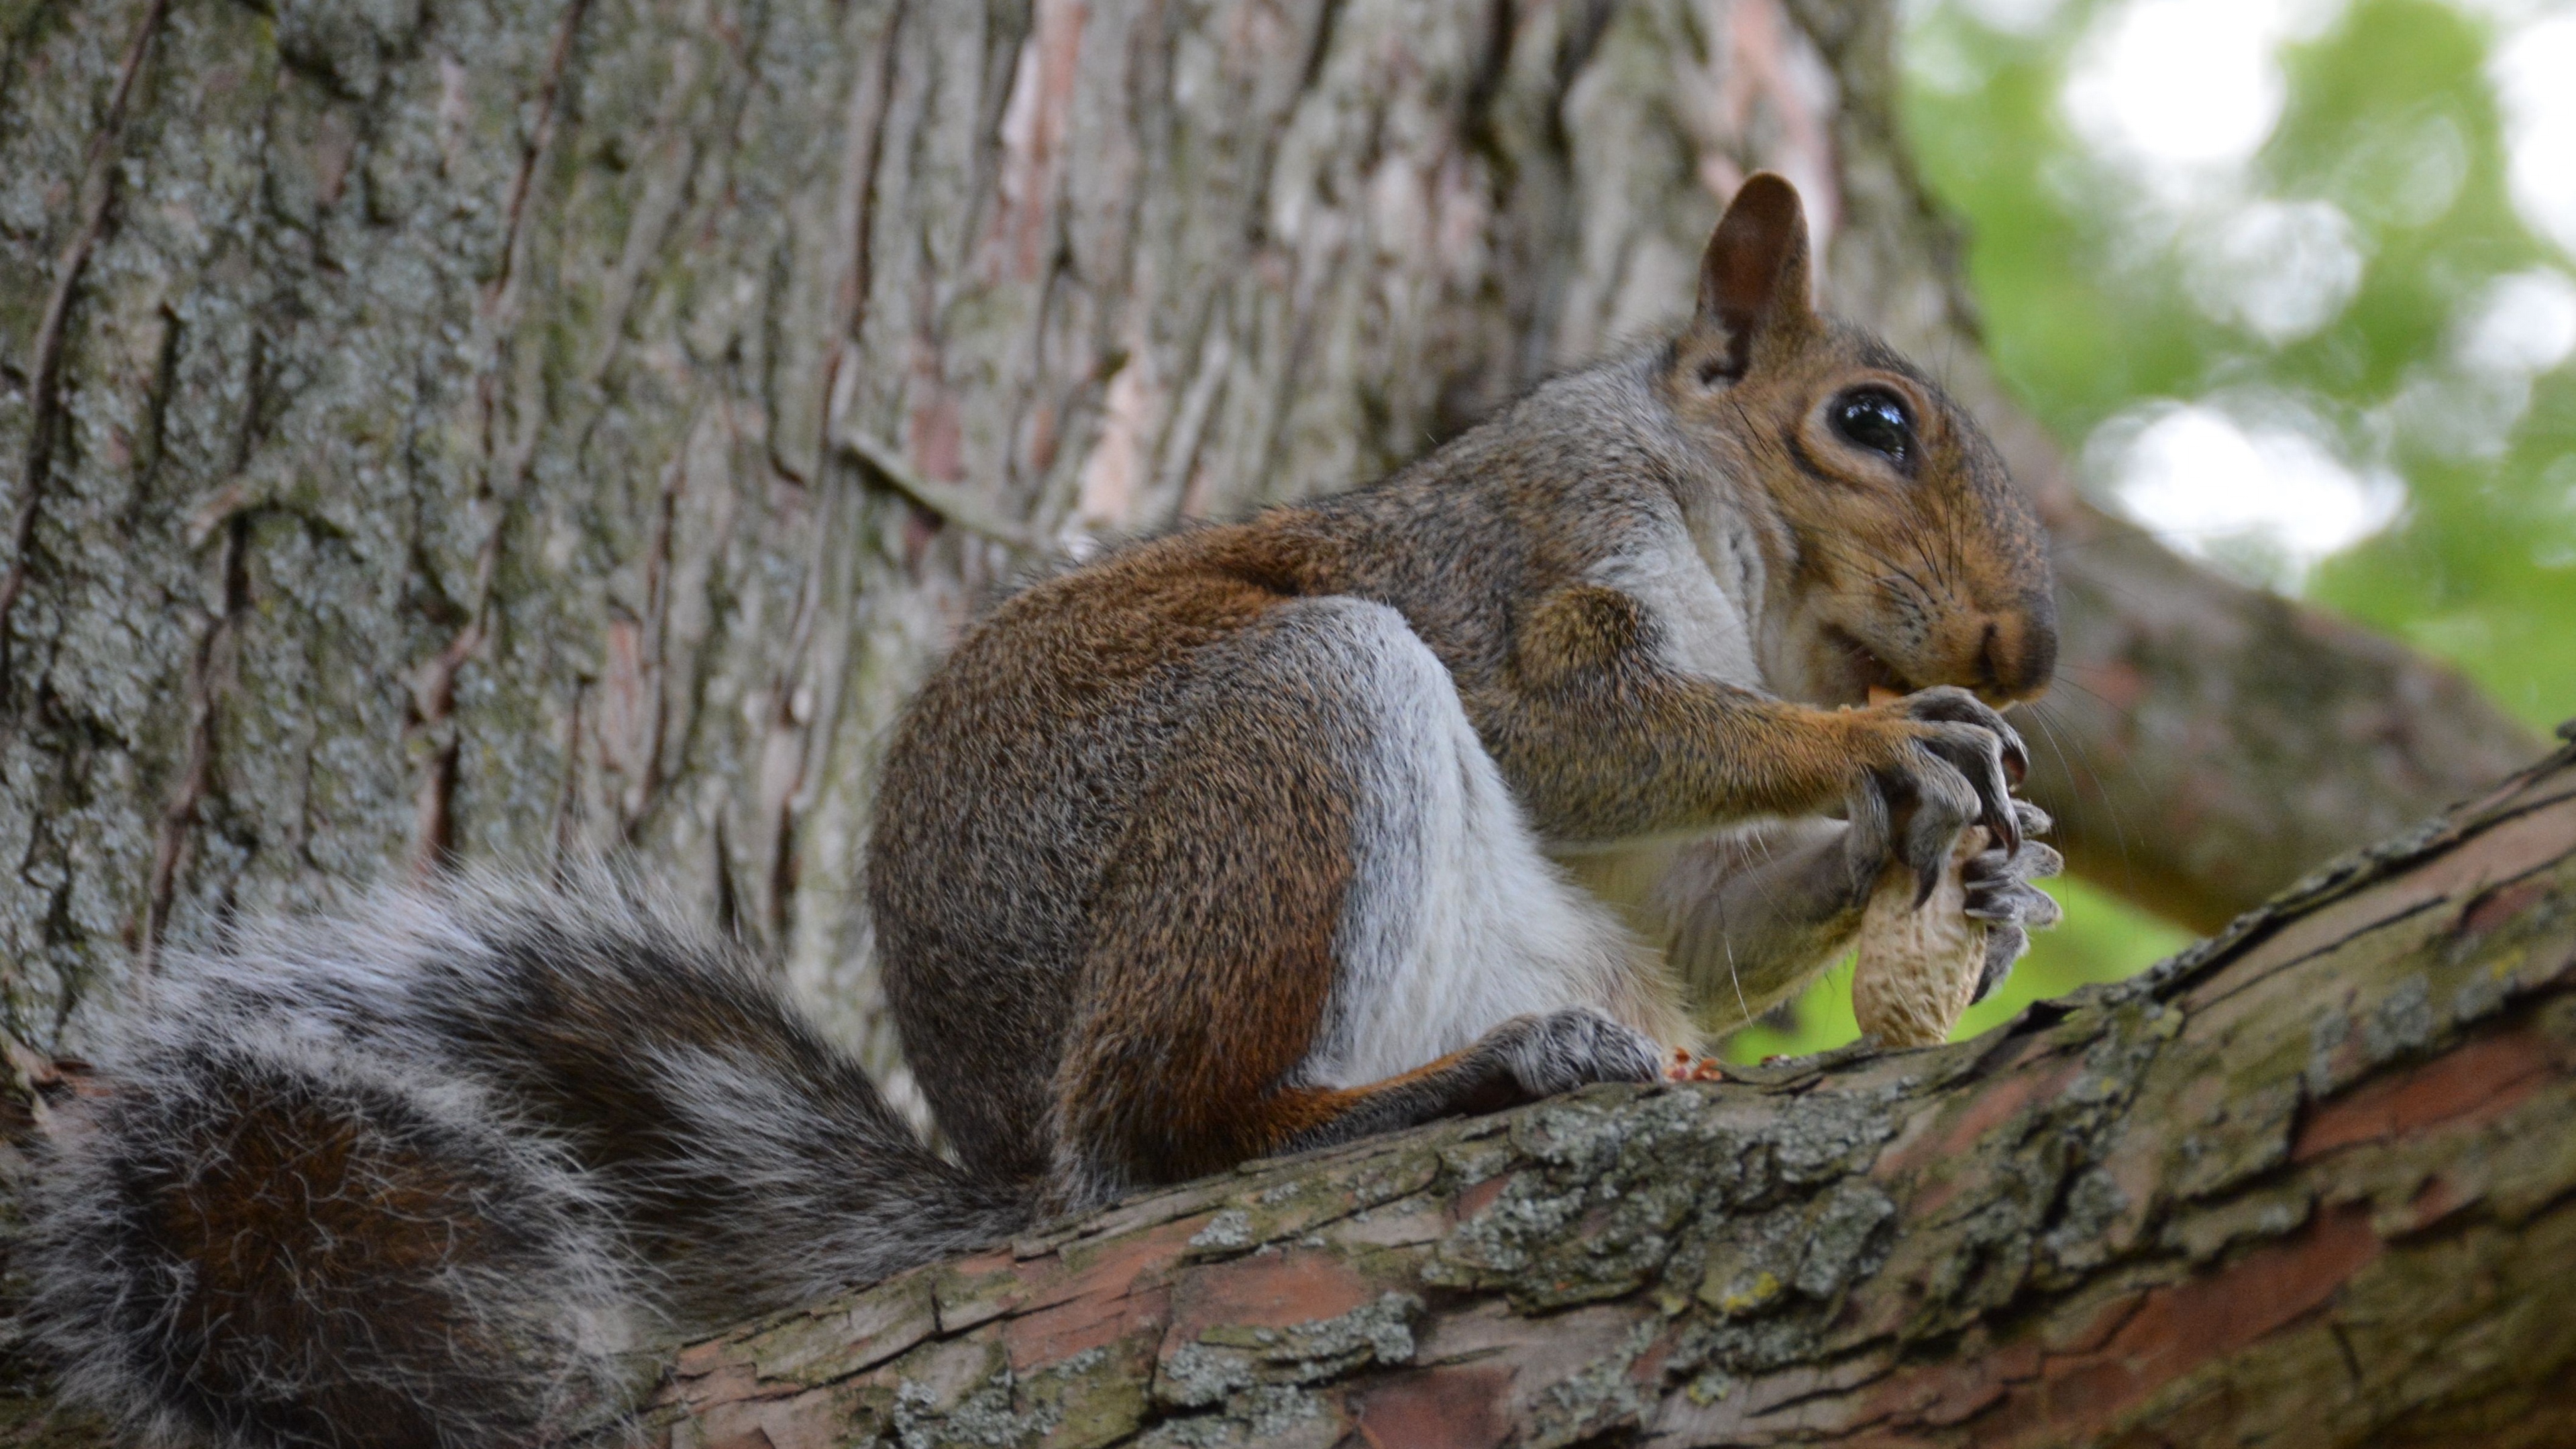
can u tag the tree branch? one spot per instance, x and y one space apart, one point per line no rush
2307 1183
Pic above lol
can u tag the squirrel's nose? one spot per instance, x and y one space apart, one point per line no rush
2019 655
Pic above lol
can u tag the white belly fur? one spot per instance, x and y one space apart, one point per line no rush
1456 920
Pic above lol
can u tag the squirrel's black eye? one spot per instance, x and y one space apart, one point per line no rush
1873 418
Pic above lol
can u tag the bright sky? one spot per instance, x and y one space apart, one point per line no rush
2535 78
2524 323
2262 492
2180 95
2186 90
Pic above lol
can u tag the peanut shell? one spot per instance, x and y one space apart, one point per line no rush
1918 968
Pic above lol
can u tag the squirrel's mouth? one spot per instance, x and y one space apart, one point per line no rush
1858 674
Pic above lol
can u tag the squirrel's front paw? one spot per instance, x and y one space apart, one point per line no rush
2000 893
1563 1050
1947 761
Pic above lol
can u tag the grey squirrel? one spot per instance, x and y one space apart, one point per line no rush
1439 796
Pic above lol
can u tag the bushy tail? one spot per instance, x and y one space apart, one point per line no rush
418 1174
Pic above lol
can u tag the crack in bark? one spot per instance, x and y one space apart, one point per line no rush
1328 19
2355 871
791 743
523 181
433 686
653 655
567 807
2322 947
206 681
433 702
863 152
45 362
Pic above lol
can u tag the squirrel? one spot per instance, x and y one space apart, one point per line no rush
1443 795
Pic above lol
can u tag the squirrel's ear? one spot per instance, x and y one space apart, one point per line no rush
1754 274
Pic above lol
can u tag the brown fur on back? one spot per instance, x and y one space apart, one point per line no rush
1010 786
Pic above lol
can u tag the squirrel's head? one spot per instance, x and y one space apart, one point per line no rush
1898 555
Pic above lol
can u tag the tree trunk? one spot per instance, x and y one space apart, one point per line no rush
2310 1183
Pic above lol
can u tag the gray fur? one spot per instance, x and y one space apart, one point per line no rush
113 1304
1455 921
721 1160
1757 912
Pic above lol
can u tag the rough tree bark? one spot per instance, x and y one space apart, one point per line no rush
2309 1183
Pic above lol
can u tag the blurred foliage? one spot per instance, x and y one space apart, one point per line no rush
2388 114
2115 280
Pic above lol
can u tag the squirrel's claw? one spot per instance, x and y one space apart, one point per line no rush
2013 902
1971 738
2000 893
2000 823
2004 946
2034 821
